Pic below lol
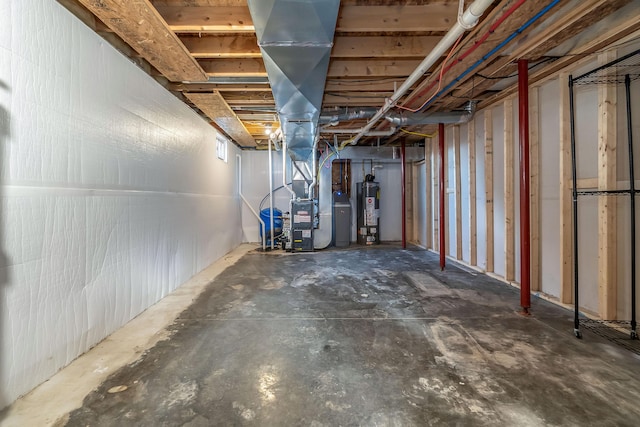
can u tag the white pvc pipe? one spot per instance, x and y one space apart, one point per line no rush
468 20
314 169
264 245
271 193
284 169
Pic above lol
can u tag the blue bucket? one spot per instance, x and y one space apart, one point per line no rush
265 215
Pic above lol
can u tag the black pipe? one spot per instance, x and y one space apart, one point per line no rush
574 166
632 195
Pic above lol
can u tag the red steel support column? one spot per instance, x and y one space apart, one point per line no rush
404 195
442 193
525 214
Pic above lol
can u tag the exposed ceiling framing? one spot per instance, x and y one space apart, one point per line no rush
207 51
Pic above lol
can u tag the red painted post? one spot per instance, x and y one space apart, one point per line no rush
525 214
404 195
442 193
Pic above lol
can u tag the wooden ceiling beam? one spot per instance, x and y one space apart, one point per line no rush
438 16
210 87
246 46
337 68
215 107
372 68
427 17
222 46
363 85
141 26
247 67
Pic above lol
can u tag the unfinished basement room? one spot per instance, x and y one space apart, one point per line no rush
319 213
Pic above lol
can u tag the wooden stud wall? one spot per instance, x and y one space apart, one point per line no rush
566 230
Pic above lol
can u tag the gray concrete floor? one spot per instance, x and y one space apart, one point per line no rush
367 336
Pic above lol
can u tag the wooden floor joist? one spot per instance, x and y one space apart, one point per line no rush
436 16
215 107
140 25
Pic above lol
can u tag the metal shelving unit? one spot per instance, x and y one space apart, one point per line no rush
623 70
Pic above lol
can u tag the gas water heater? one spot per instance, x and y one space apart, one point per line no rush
368 195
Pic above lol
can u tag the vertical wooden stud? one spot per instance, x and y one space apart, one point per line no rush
473 225
509 211
607 179
566 227
534 174
488 182
458 189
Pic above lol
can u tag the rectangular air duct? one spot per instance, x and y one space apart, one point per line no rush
295 38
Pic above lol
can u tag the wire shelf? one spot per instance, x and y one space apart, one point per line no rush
605 192
616 331
613 72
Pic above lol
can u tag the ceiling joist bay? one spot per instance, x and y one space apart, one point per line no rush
217 109
141 26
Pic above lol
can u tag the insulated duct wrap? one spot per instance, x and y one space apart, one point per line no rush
295 39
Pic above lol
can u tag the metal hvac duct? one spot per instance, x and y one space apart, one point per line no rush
449 117
337 115
295 38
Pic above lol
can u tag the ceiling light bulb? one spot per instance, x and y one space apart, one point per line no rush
267 130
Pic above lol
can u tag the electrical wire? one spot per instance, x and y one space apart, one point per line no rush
516 74
426 135
265 197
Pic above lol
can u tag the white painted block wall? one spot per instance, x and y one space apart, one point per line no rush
112 195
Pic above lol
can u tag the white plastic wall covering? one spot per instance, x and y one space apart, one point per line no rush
586 103
112 194
549 111
498 192
421 204
450 195
464 188
481 199
516 191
